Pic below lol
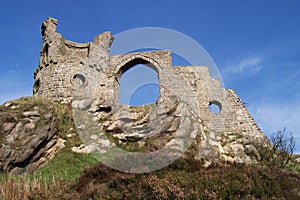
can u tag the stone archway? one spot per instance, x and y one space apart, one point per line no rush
131 63
139 85
127 64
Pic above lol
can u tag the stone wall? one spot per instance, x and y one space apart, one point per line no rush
67 68
70 70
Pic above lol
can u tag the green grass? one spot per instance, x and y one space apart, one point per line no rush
65 166
74 176
294 166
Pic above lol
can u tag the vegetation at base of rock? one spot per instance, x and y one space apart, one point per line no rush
65 166
184 179
187 179
71 175
49 182
280 152
32 130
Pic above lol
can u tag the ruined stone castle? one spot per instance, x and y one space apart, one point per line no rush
69 70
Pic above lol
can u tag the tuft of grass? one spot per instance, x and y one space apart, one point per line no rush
22 188
65 166
294 165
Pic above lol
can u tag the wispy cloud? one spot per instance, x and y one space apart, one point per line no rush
274 116
246 66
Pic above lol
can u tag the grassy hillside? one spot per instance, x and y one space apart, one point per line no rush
79 176
184 179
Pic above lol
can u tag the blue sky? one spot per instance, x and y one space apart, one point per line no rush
255 44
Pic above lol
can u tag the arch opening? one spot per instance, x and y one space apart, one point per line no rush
139 84
132 63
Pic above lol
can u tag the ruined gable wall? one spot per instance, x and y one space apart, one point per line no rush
233 116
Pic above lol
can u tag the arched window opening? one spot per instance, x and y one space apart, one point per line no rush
133 63
139 85
215 106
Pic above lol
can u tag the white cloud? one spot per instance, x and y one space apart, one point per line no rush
273 117
250 65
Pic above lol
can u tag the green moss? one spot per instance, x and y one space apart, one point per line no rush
295 168
229 138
